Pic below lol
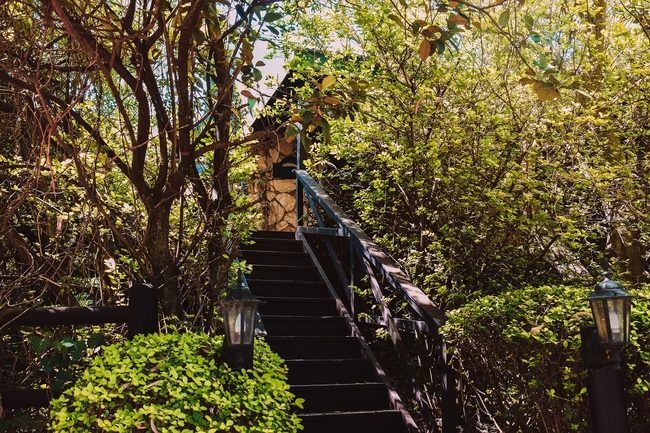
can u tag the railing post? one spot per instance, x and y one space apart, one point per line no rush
448 376
352 283
299 189
604 386
143 309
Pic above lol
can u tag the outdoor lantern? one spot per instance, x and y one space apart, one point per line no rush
239 310
611 305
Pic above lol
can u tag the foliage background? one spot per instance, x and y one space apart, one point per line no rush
499 152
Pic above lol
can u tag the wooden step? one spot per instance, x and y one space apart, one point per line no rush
305 326
288 289
315 347
266 244
293 258
282 306
284 273
386 421
273 235
350 397
310 371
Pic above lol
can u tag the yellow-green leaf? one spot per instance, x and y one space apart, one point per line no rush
328 82
545 93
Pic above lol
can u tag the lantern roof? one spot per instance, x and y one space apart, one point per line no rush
609 289
241 292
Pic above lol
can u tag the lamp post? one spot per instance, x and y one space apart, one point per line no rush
601 350
239 310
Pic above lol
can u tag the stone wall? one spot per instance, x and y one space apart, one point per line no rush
276 198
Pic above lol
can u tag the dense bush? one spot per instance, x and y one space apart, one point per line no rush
175 383
519 359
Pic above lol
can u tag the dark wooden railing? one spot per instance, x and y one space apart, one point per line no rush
141 317
365 254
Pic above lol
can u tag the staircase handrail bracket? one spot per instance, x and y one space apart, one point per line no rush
418 300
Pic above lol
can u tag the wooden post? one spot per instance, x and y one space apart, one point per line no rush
448 375
143 306
604 386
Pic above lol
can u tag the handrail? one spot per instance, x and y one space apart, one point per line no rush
372 257
432 315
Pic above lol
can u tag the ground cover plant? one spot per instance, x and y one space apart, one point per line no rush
518 354
177 383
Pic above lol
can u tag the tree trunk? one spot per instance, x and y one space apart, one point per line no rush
164 271
219 209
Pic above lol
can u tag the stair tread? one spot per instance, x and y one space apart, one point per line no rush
342 397
379 385
292 317
245 251
272 234
273 240
331 361
295 299
274 244
379 421
314 337
273 281
352 412
311 371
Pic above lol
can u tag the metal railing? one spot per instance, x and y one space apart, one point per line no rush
375 264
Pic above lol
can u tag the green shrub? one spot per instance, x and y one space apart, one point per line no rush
175 383
518 354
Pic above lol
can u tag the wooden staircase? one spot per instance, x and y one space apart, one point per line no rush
344 390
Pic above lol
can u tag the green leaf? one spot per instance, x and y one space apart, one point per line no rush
40 344
272 16
241 12
327 137
198 36
95 340
292 131
529 21
257 74
440 46
67 342
504 18
543 61
50 363
397 19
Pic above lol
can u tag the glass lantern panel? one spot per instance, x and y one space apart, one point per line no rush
600 317
617 319
232 316
249 322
